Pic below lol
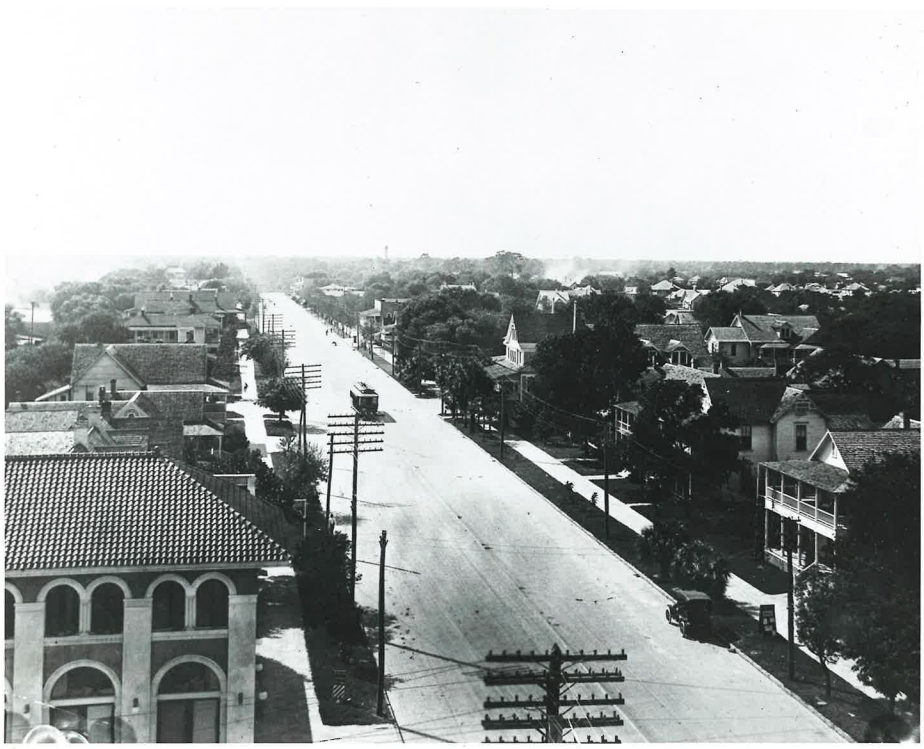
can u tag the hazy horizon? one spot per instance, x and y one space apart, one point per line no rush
791 135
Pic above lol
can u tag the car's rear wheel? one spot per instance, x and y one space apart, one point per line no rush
667 615
683 629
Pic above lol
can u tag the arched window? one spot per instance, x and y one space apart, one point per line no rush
169 606
188 705
9 622
62 611
107 610
212 605
83 700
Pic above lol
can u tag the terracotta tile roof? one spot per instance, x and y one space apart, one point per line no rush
152 363
691 336
752 401
532 328
70 512
860 447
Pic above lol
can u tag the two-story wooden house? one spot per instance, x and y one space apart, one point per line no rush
153 327
770 340
810 491
131 598
675 344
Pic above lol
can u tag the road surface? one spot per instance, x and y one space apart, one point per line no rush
478 561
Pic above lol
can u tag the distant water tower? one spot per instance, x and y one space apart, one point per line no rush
386 252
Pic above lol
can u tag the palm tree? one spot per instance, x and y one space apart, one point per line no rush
696 565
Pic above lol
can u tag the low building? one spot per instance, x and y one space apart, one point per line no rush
768 340
131 598
663 288
675 344
131 367
811 491
679 317
163 328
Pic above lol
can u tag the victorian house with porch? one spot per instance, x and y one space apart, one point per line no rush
812 492
770 340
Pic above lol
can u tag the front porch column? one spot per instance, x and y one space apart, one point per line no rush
242 662
817 546
190 609
28 665
766 529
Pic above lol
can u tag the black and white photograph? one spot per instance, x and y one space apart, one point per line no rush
526 374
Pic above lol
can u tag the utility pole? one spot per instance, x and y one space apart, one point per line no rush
307 377
330 472
503 398
380 706
790 614
606 484
555 681
32 329
350 442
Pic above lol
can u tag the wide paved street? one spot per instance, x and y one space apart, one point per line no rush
479 561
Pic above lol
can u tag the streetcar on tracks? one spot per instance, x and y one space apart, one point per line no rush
365 400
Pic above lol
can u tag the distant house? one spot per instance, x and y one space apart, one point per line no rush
458 287
780 288
131 598
129 367
810 491
221 305
764 339
524 332
549 299
686 298
675 344
732 285
384 314
630 290
163 328
679 317
663 288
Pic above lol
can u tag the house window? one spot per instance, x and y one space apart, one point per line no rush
62 611
9 621
212 605
785 333
169 607
745 433
801 437
682 358
802 408
107 610
734 349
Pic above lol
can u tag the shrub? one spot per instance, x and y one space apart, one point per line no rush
660 541
696 565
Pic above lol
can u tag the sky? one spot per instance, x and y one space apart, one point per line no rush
555 133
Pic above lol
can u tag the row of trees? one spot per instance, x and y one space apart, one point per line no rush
690 563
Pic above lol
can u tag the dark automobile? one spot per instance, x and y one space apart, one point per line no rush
692 611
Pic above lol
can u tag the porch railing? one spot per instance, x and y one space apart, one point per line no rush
805 508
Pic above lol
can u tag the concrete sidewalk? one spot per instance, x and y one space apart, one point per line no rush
740 591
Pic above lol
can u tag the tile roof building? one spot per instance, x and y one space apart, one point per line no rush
131 597
811 491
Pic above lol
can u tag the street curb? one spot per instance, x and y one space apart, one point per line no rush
829 723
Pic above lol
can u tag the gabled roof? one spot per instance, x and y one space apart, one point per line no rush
861 447
768 324
532 328
664 285
728 335
149 363
752 401
661 336
86 511
824 476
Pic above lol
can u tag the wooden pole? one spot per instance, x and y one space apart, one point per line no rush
790 614
330 473
380 707
606 486
353 505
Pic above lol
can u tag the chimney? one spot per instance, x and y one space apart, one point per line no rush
107 410
906 419
716 366
574 318
102 395
81 432
112 388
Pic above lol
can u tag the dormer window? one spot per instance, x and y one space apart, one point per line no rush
681 358
785 332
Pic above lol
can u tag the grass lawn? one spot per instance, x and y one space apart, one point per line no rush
847 708
276 428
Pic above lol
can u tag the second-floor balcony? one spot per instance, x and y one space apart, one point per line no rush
814 501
